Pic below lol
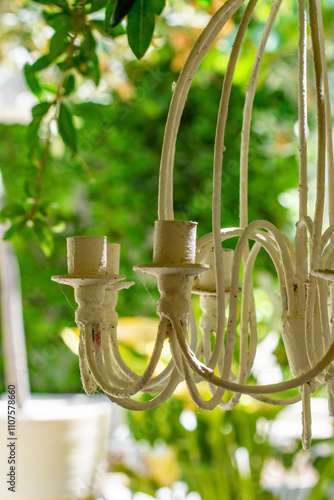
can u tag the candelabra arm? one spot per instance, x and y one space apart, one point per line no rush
112 358
217 176
200 49
208 375
130 404
246 125
88 381
208 323
93 346
330 392
90 312
305 391
314 15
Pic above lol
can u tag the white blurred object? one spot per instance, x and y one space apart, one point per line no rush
242 459
188 420
116 491
265 366
294 483
286 427
61 447
193 495
13 335
16 100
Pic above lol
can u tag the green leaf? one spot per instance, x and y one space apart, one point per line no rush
123 7
32 133
44 237
65 64
14 229
38 112
141 20
97 5
58 42
93 70
50 16
59 20
32 81
42 210
88 45
69 84
29 189
41 63
40 109
110 9
12 211
66 128
108 31
159 6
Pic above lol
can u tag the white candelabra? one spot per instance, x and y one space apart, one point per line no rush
304 270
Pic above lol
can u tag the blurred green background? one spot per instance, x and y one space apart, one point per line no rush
109 187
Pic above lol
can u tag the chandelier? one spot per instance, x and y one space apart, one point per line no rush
182 265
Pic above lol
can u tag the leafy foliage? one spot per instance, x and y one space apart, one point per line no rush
72 52
206 454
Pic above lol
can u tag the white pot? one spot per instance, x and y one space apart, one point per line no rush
61 447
